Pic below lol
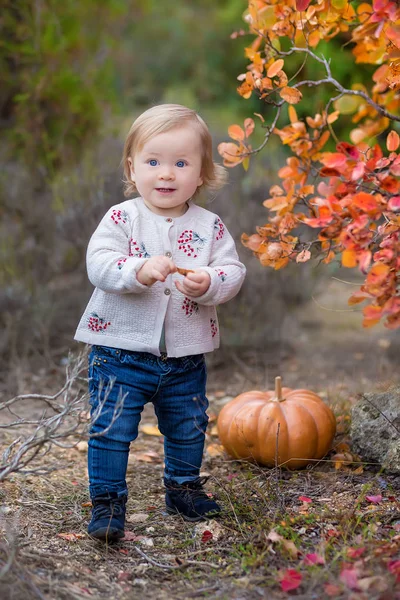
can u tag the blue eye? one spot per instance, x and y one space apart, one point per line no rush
153 162
180 163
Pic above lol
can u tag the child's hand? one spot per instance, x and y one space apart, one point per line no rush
195 284
157 268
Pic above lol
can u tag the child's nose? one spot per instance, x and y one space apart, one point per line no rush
167 173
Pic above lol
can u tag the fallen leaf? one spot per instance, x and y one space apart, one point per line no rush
82 446
273 536
290 548
207 536
394 568
137 518
376 583
332 590
314 559
86 504
130 537
211 527
305 499
71 537
374 499
215 450
290 579
355 552
147 456
150 430
124 575
349 576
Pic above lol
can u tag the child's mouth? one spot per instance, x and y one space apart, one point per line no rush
165 190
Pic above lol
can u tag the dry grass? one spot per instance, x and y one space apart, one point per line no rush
168 559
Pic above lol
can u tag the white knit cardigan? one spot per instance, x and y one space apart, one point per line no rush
123 313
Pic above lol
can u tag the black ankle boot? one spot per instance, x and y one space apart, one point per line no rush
190 500
108 517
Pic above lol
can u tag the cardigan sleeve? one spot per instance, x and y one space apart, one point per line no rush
109 266
227 273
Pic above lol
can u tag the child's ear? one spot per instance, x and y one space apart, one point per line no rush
131 171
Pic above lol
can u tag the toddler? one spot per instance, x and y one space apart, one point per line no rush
160 265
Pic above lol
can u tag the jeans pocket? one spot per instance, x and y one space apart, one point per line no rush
196 360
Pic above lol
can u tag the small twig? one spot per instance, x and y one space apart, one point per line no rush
185 564
334 309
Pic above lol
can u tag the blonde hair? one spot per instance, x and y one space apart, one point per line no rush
160 119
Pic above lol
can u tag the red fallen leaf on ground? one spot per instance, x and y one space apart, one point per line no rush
290 579
355 552
124 551
332 533
207 536
332 590
374 499
314 559
305 499
71 537
130 537
394 568
349 576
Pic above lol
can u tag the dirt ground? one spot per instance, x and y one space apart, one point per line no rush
318 533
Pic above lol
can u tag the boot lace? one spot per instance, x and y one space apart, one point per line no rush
193 490
108 508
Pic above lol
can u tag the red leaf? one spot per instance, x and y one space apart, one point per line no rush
374 499
290 579
302 4
207 536
332 590
355 552
131 537
305 499
394 568
350 578
394 203
314 559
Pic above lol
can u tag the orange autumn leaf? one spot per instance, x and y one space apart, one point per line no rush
349 259
392 141
249 127
291 95
275 68
236 133
378 274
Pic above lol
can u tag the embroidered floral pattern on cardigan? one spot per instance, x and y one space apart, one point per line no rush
214 328
190 307
219 228
138 249
97 324
221 274
191 243
119 215
121 262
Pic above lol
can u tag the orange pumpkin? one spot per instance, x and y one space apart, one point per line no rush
288 428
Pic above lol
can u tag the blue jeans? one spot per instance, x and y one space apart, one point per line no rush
121 382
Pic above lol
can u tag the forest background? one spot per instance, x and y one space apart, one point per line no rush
74 76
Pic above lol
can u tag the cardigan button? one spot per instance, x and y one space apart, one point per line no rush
167 291
169 254
169 220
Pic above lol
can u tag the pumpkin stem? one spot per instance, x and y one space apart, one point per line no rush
278 388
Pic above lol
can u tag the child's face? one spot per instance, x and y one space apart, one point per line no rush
167 170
